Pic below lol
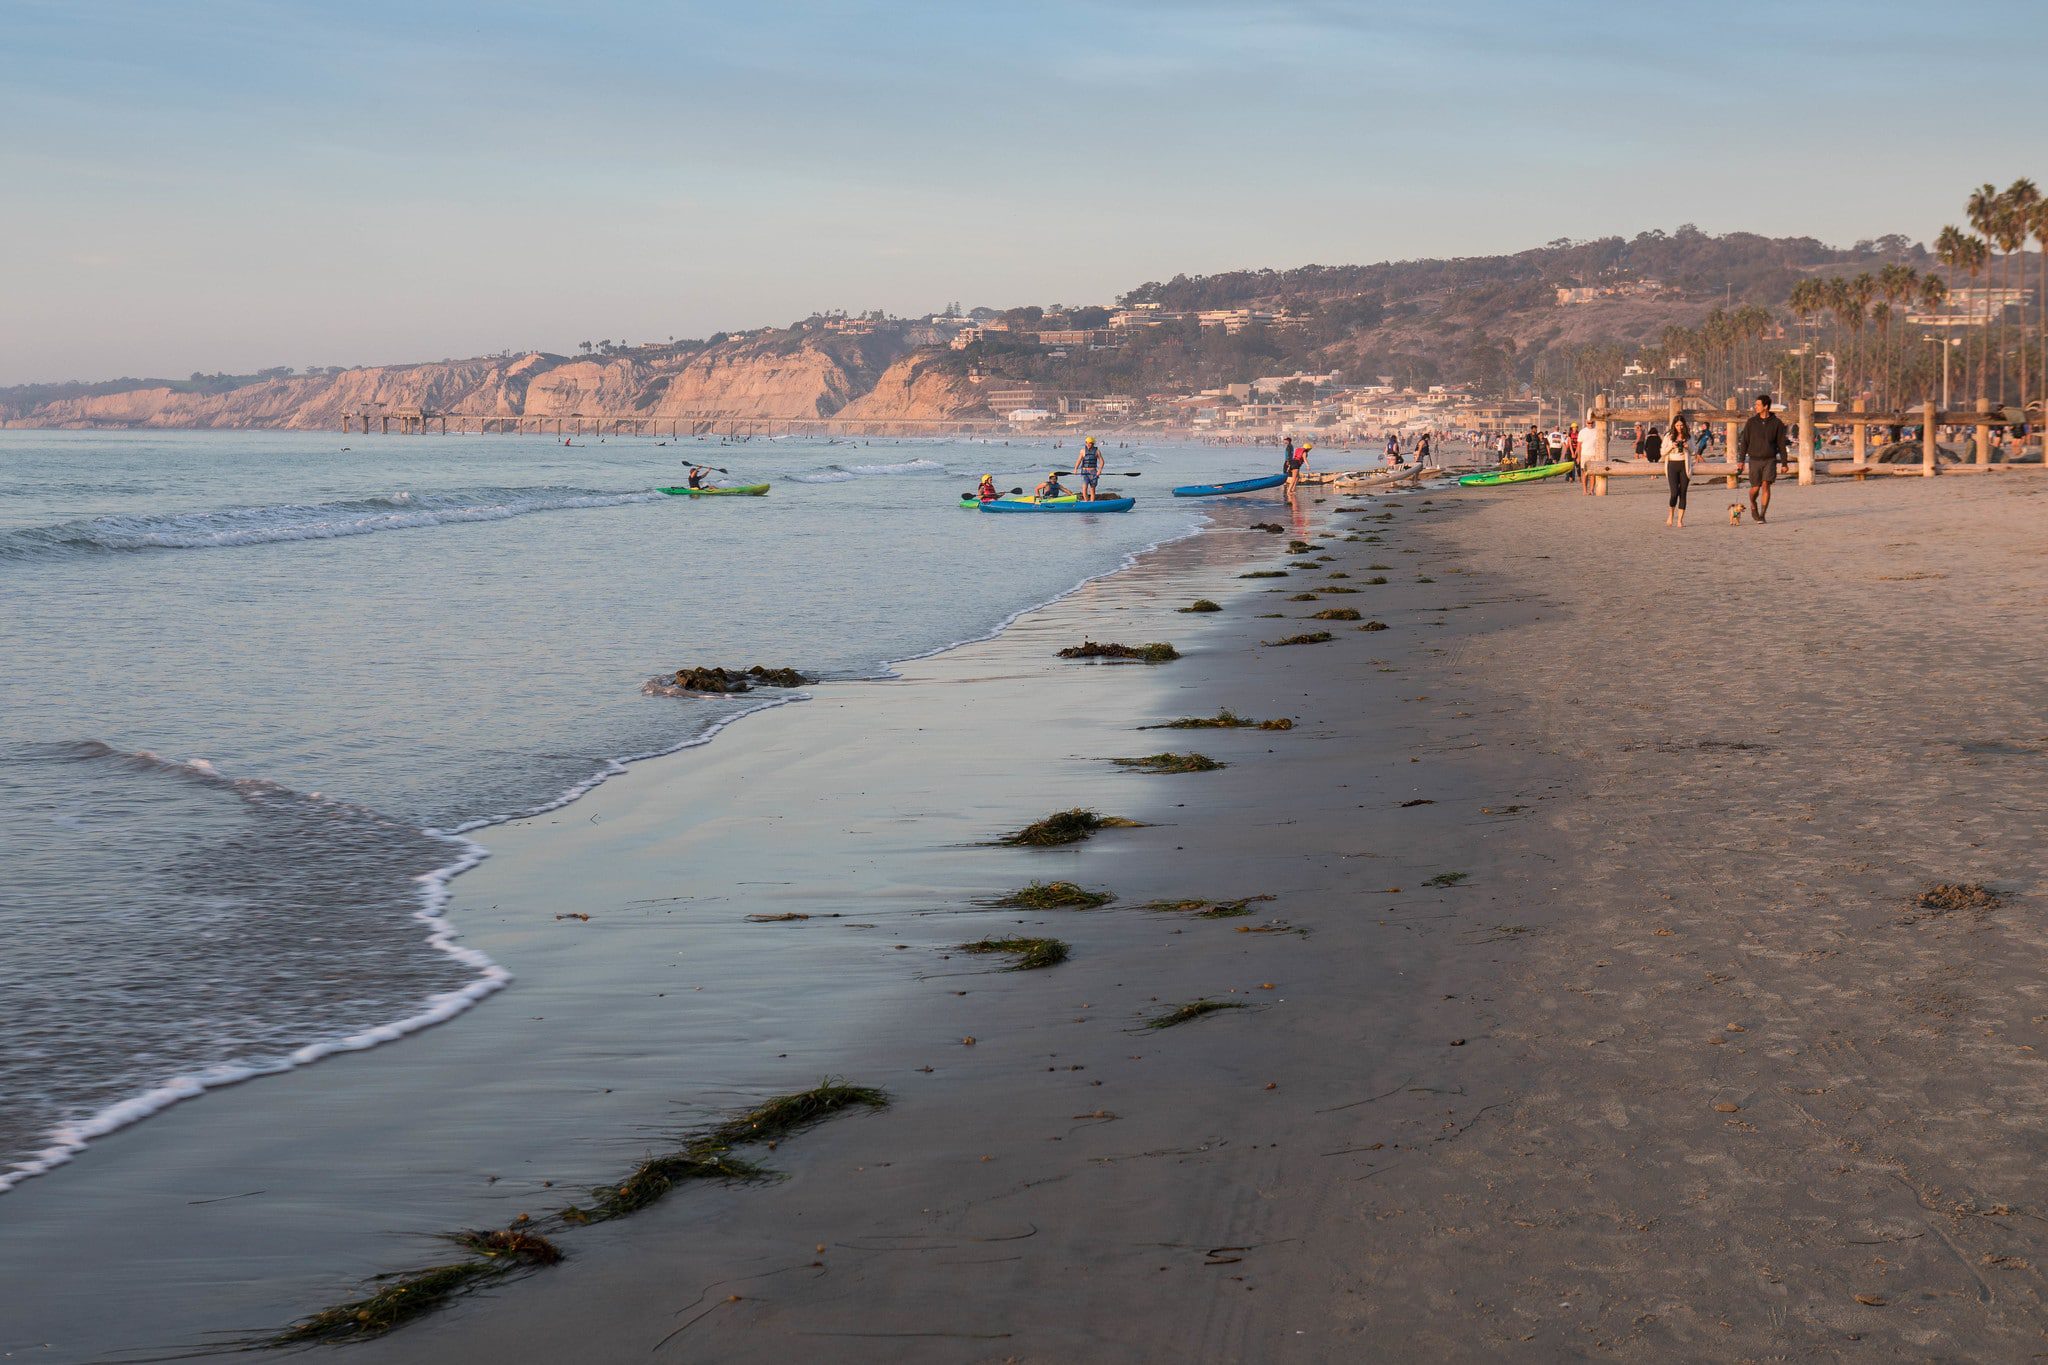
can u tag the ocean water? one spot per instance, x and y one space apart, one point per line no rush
262 692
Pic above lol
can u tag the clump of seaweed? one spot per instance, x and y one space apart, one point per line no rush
1379 566
1199 604
1194 1009
1299 547
1948 898
1374 625
509 1244
495 1254
1053 896
1303 597
723 680
1447 878
1275 527
1170 763
1226 719
1333 592
401 1299
1066 827
1336 614
1314 637
1155 653
1206 909
708 1155
1026 954
1340 574
1265 573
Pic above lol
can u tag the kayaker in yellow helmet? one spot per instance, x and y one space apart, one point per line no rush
1088 464
1297 462
1050 488
987 492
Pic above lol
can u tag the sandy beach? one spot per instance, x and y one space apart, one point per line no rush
1592 1013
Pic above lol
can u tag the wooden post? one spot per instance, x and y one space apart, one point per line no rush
1805 440
1983 434
1860 435
1733 432
1928 466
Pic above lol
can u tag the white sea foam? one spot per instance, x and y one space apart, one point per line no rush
841 473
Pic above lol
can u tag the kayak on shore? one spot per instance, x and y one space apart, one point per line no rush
745 490
1066 504
1541 471
1217 490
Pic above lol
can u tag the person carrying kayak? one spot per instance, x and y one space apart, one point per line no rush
1297 462
1050 488
987 492
1088 464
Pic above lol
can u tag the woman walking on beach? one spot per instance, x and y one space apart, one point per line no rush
1677 469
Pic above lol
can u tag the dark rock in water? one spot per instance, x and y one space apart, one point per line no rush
721 680
1273 527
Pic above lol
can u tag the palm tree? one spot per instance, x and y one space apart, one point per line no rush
1933 294
1898 284
2020 200
2037 221
1952 249
1862 290
1805 302
1982 209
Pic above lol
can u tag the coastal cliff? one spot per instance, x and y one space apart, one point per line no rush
785 375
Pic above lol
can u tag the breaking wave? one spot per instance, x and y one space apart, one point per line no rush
229 527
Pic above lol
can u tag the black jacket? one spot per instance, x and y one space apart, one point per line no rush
1763 438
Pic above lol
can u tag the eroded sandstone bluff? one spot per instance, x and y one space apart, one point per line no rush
877 376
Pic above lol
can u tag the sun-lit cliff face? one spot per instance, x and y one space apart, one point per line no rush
777 376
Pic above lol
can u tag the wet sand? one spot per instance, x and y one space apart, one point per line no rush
1663 1064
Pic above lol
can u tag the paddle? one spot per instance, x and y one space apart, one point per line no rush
976 493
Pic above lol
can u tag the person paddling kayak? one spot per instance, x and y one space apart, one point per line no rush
1088 464
697 473
1050 488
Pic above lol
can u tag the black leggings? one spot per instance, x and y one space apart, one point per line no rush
1676 476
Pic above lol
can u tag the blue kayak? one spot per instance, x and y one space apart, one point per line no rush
1034 505
1217 490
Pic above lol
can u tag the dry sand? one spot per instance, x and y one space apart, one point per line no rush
1674 1070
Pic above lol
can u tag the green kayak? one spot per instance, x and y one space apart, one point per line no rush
1541 471
751 490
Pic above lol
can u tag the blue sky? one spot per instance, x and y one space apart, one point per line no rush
226 184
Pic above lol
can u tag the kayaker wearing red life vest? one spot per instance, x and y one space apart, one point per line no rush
987 492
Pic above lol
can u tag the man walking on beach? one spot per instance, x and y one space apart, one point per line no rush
1763 443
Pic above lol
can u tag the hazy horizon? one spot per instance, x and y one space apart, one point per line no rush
231 184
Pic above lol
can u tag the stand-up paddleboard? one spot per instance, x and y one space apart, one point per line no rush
750 490
1059 505
1541 471
1217 490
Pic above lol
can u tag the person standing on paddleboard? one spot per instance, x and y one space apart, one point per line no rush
1762 444
1088 464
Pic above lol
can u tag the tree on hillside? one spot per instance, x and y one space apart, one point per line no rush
2014 221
